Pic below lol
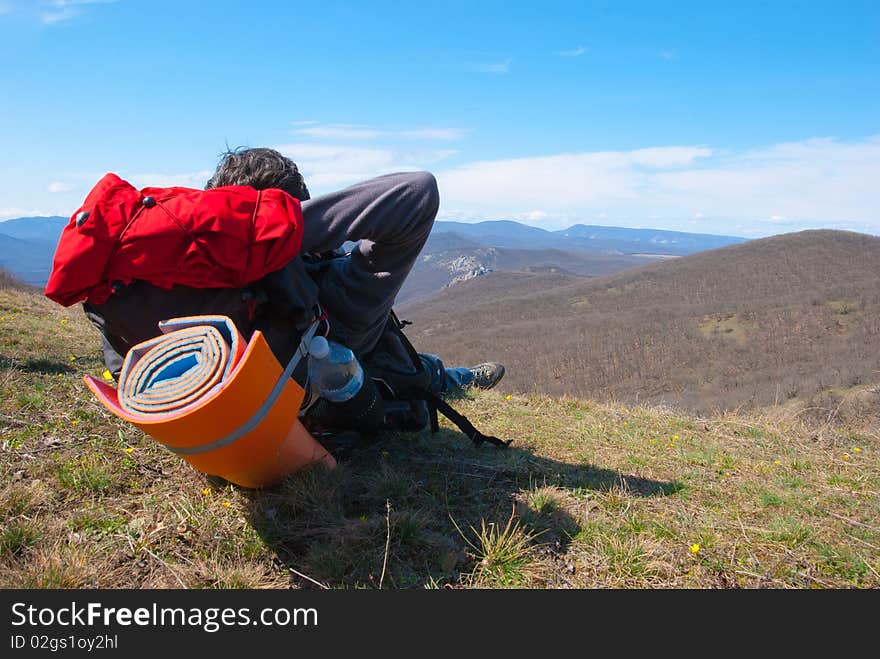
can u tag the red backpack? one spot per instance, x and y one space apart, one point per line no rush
224 237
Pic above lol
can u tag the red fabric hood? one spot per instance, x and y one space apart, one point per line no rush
223 237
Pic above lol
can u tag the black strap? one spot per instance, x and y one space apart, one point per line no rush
435 404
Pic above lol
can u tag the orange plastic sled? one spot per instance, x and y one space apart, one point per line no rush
225 406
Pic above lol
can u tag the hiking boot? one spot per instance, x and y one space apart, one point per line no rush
486 375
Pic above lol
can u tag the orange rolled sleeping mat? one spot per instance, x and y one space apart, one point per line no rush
224 405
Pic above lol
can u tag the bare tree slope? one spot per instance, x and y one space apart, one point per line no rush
774 321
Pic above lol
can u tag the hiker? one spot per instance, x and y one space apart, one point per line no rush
390 217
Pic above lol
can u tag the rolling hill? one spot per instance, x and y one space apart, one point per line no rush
777 320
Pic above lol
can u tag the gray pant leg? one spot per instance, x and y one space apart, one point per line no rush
392 217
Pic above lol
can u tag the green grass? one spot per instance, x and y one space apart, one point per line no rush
84 474
590 495
16 538
502 553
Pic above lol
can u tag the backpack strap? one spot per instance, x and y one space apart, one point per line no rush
437 404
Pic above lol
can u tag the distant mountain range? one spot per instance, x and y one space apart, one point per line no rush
455 250
777 320
587 238
27 246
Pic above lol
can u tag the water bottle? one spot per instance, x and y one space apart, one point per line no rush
348 399
335 373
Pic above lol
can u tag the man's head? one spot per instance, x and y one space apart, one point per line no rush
259 168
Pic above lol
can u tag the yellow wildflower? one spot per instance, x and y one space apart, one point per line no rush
507 397
695 548
846 456
107 375
856 449
675 438
64 321
72 358
777 462
206 491
226 504
129 450
75 422
625 424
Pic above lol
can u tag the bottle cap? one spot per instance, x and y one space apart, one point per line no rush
319 347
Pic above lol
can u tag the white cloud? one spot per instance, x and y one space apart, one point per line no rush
491 67
531 216
338 132
64 10
59 186
11 212
191 180
441 134
666 54
567 180
314 129
814 183
574 52
53 17
73 3
328 166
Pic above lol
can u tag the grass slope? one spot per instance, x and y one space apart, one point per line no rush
590 495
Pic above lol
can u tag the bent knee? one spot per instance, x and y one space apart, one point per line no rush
424 186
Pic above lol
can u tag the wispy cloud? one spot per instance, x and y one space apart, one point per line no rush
809 184
328 166
499 67
60 11
314 129
574 52
59 186
10 212
157 180
338 132
441 134
666 54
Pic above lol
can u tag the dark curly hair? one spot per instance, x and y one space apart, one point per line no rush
259 168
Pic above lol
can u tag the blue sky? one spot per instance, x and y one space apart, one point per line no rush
741 118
